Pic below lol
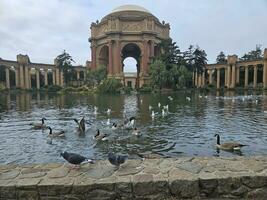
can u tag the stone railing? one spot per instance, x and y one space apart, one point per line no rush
182 178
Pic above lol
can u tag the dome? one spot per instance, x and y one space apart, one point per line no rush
130 8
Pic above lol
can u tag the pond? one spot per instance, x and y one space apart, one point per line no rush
186 130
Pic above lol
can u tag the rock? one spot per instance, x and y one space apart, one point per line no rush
100 170
208 187
58 172
255 181
227 185
32 175
241 191
27 194
259 194
184 188
99 194
192 167
9 175
130 168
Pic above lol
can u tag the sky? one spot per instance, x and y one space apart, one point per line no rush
42 29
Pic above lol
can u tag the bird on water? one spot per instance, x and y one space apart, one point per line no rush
81 125
39 125
75 159
228 145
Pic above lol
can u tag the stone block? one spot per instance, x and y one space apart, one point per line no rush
184 188
208 187
255 181
259 194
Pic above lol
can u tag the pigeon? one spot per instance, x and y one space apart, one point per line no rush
75 159
115 159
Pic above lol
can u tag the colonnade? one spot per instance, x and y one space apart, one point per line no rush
231 73
24 70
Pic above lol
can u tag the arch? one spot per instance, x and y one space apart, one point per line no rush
134 51
103 58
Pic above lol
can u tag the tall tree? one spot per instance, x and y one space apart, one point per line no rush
158 73
221 58
254 54
199 59
64 61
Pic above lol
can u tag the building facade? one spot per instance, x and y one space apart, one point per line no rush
233 73
128 31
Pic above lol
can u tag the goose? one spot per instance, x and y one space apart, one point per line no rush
39 125
114 126
60 134
81 125
136 132
100 136
188 98
108 111
228 145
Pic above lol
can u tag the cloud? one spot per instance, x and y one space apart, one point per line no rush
43 29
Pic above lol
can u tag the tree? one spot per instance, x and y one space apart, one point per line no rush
158 73
254 54
64 62
221 58
188 58
199 59
96 76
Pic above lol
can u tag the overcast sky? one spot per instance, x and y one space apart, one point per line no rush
44 28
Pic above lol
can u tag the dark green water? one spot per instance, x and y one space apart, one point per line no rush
187 130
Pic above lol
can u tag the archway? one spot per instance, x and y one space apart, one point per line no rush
103 57
131 53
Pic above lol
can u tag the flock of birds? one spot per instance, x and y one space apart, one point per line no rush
117 159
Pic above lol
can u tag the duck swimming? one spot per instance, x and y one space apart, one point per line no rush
39 125
114 126
60 134
228 145
81 125
100 136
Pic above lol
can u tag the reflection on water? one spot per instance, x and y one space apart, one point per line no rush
187 130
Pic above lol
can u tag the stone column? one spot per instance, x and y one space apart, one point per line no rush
21 74
118 58
93 54
78 75
228 77
61 78
45 77
225 76
196 79
152 49
57 77
237 74
17 77
233 76
199 81
246 76
54 77
255 74
110 60
7 78
210 76
203 79
37 79
27 82
193 78
218 78
144 58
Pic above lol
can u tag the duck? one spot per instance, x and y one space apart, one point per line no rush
129 123
136 132
100 136
229 145
114 126
108 111
81 125
163 113
60 134
166 107
39 125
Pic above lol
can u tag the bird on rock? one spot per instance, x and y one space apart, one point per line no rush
115 159
75 159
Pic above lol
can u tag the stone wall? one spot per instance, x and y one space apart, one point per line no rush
182 178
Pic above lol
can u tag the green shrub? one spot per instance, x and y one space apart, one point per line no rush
54 88
110 85
68 90
2 87
145 89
